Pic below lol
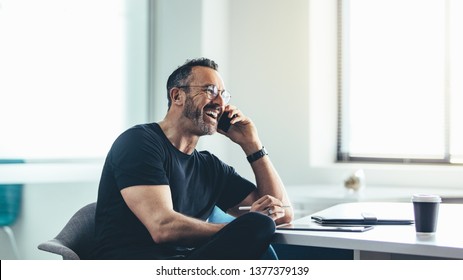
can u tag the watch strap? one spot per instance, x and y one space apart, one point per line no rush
257 155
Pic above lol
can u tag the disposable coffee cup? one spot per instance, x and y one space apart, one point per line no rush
426 210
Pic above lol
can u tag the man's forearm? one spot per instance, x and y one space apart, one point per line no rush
269 183
267 179
182 230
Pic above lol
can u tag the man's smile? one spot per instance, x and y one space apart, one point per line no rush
212 113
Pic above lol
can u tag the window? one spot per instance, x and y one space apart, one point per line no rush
401 90
62 77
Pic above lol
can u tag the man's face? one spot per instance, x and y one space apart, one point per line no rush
199 108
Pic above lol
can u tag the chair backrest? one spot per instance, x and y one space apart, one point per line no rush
76 239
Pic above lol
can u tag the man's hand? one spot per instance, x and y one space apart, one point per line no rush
242 131
270 206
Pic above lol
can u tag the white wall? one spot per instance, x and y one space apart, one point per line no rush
270 79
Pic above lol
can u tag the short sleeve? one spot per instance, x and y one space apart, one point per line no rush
137 159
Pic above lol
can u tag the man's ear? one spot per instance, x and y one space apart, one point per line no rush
176 96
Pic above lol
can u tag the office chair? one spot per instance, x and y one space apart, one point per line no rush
75 241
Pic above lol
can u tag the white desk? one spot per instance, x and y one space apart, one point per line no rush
387 242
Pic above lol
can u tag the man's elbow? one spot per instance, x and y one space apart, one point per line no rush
162 230
161 235
159 238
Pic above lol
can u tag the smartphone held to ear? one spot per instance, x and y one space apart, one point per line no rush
224 122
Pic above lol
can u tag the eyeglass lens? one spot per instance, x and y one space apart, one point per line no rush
213 91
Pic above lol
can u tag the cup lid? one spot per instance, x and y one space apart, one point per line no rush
426 198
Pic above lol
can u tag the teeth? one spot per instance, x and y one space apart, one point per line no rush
211 113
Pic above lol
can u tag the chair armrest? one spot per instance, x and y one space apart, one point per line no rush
56 247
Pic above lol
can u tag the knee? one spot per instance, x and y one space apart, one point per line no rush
261 225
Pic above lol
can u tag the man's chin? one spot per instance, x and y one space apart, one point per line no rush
207 129
208 126
210 130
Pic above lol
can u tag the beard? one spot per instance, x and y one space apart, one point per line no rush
196 115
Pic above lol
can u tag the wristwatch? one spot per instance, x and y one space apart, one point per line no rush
257 155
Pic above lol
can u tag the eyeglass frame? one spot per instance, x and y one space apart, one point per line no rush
212 92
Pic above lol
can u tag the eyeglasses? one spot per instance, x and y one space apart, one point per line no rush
212 92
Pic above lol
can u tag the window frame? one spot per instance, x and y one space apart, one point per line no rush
343 95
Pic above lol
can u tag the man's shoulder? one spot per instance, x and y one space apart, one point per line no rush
143 130
139 136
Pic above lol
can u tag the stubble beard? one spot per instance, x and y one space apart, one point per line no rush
196 115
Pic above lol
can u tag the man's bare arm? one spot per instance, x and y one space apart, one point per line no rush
153 207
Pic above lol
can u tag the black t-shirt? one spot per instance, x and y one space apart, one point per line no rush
143 155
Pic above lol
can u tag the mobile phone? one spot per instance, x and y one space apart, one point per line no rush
224 122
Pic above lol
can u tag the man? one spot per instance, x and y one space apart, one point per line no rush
157 191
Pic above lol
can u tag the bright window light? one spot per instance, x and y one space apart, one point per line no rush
62 77
401 88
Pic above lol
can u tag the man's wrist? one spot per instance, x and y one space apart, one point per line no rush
257 155
251 147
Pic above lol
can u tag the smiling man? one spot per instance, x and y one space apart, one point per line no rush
157 191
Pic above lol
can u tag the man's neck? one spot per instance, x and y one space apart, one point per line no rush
178 135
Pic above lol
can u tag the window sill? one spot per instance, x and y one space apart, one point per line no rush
421 176
51 172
